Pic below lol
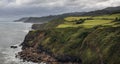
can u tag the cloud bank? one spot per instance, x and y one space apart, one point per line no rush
22 8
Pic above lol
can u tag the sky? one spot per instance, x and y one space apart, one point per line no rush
14 9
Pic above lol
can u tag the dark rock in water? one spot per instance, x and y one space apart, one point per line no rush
13 47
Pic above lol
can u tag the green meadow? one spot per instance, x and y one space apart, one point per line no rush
104 20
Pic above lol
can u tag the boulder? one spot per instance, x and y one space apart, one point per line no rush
13 47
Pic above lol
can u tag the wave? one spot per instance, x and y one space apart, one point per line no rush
15 33
10 56
26 31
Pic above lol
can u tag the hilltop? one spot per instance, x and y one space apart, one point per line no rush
109 10
47 18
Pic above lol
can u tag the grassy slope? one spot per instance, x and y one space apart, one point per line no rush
102 45
83 44
89 42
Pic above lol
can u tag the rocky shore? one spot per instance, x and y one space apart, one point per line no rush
35 56
38 57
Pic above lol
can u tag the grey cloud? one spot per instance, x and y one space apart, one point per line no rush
22 8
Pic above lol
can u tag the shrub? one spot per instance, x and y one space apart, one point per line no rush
117 19
80 21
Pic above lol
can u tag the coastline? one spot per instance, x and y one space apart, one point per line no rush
12 34
38 47
68 41
32 53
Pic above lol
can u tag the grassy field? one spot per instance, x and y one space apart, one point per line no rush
75 18
105 20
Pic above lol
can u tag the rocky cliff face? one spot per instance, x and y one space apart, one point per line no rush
33 49
73 45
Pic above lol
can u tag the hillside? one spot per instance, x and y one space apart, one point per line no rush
36 19
74 39
109 10
47 18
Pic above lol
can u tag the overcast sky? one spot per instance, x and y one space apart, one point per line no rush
13 9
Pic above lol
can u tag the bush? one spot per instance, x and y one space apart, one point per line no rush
80 21
117 19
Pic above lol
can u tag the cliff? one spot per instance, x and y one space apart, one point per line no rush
64 41
73 45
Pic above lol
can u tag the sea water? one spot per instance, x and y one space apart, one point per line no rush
12 33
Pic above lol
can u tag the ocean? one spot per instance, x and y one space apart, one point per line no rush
12 33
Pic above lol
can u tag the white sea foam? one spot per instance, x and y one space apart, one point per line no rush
10 56
12 33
